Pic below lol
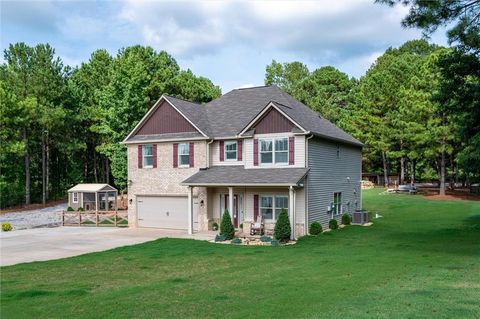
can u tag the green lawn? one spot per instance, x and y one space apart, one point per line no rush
421 260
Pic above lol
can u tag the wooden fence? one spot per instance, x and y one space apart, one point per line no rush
93 218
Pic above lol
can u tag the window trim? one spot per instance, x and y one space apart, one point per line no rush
180 154
274 206
144 146
273 151
225 158
285 151
337 204
75 197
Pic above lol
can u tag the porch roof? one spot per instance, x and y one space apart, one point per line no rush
239 176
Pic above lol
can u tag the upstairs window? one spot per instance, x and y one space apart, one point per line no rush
147 155
274 151
281 151
231 150
184 155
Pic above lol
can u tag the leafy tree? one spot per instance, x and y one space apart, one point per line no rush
286 75
226 226
86 85
327 91
459 96
462 15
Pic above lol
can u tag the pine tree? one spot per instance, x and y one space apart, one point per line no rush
226 227
283 230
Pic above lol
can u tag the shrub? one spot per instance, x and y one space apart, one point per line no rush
265 239
274 243
215 226
236 240
315 228
226 227
282 229
69 209
346 219
241 226
219 238
6 227
333 224
80 209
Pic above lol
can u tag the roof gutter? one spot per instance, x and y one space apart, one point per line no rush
166 140
240 184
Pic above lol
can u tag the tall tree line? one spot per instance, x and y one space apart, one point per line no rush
403 109
62 125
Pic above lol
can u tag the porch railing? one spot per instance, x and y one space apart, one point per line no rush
95 218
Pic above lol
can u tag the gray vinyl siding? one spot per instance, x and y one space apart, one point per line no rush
329 174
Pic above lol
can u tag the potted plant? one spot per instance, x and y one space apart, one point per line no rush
215 226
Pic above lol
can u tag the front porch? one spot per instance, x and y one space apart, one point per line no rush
254 196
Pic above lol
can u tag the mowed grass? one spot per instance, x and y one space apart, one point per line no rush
420 260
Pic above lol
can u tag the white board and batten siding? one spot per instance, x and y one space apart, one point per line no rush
168 212
299 150
330 173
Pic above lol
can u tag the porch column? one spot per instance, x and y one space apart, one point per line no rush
190 210
291 210
230 202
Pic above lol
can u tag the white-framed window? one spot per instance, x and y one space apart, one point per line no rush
274 151
281 150
337 203
266 151
281 201
147 155
271 205
230 150
184 155
75 197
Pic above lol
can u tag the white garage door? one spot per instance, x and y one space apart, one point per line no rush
165 212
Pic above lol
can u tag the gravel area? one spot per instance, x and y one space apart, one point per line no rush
45 217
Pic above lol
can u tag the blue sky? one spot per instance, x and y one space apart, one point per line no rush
230 42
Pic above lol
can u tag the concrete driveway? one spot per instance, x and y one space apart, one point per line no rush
54 243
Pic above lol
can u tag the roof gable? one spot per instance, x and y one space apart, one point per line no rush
164 119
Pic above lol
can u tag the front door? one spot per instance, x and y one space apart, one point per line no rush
234 215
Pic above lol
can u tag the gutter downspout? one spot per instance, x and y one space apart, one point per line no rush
207 146
306 185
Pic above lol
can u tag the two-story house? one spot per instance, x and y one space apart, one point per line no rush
252 151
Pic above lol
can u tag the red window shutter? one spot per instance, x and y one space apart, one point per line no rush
154 151
255 152
255 207
291 150
140 156
239 150
175 155
222 151
191 154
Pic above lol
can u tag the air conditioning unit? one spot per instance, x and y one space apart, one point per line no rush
360 217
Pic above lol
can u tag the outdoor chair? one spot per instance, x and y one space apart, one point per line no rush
257 228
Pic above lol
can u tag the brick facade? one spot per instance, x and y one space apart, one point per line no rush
164 179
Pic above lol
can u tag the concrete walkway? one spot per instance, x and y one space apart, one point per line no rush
54 243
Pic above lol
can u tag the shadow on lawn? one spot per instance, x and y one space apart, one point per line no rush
462 239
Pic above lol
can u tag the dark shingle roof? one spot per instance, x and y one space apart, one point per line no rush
238 175
232 112
228 115
165 136
193 111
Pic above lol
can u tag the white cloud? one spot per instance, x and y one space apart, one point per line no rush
333 29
